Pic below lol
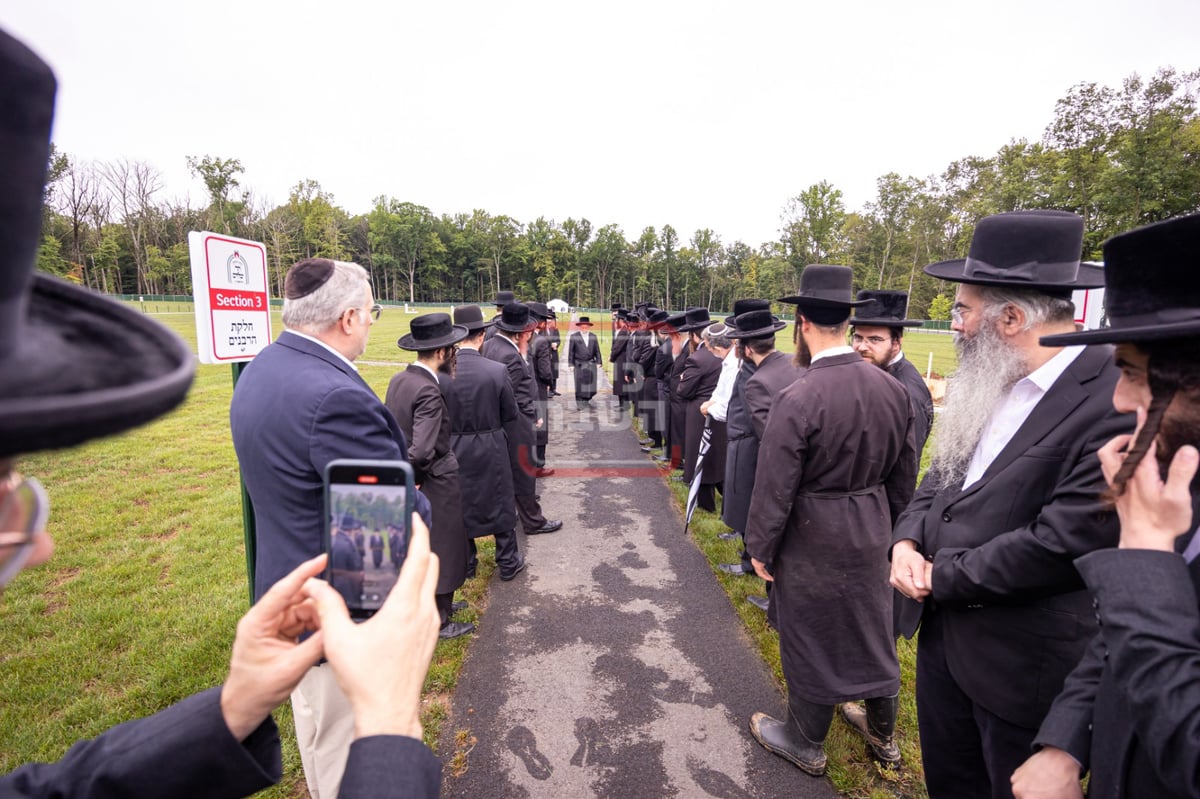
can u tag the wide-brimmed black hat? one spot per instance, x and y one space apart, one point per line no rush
539 310
658 318
616 306
1024 249
757 323
695 319
471 317
884 308
825 286
514 318
1152 290
742 306
503 298
74 365
584 321
674 323
432 331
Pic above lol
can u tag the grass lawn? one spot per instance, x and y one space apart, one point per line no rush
137 609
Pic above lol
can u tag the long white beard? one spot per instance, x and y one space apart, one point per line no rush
987 368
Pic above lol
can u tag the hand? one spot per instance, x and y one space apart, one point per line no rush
267 663
1049 774
912 575
396 643
760 569
1153 513
704 407
540 422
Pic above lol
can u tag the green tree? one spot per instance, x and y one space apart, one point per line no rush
220 178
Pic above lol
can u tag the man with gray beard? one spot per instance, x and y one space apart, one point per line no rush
1011 499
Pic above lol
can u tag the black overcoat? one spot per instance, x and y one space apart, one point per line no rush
741 454
521 436
1016 617
649 407
677 431
618 355
836 465
482 408
696 385
583 355
416 399
541 360
555 338
922 400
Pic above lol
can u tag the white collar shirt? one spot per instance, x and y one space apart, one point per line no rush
832 351
724 389
427 369
318 341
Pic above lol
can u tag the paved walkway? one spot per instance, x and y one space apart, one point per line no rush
615 665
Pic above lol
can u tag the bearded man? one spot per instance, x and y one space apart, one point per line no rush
1011 499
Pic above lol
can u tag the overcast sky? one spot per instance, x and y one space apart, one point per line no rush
696 114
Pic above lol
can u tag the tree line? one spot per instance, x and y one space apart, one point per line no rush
1118 156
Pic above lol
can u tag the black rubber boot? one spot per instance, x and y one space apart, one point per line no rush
800 739
876 723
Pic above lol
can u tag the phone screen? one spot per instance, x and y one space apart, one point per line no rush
369 508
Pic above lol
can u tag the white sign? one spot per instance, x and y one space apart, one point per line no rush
229 285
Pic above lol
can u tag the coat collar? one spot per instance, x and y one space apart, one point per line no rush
309 347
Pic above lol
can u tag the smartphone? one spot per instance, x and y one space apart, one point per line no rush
368 516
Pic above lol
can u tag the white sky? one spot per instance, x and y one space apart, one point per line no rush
697 114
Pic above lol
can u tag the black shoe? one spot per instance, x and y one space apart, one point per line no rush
543 472
548 527
732 568
728 536
781 739
456 628
512 575
760 602
458 607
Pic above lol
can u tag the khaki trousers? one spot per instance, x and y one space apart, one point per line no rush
324 730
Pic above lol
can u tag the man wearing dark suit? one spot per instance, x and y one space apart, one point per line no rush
508 347
836 465
649 407
555 338
664 359
681 344
502 298
877 333
618 356
697 383
1128 712
482 410
299 405
1011 498
583 355
541 362
221 742
416 398
377 549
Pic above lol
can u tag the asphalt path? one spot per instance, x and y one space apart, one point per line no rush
614 666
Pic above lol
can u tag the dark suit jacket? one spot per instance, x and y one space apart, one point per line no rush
580 351
416 399
775 373
541 361
741 455
697 383
187 748
1131 709
521 435
482 410
922 401
618 356
1015 613
297 407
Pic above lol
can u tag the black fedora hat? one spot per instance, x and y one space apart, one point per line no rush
674 323
432 331
616 306
74 365
1153 285
503 298
658 318
514 318
584 322
1024 249
825 286
883 308
471 317
695 319
539 310
757 323
742 306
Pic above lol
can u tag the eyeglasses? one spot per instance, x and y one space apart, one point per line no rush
24 509
374 311
957 312
874 340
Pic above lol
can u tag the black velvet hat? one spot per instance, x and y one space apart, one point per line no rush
674 323
1152 290
883 308
471 317
539 310
584 322
514 318
758 323
74 365
503 298
1024 249
742 306
432 331
695 319
826 294
658 318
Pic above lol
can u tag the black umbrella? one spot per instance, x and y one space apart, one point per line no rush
698 473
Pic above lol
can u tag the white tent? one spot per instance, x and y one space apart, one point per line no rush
558 306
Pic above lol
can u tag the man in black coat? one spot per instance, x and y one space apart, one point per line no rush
877 333
508 347
482 410
618 355
555 338
416 397
1128 712
541 361
1011 499
502 298
583 355
697 383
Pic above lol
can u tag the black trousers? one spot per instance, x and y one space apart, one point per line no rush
968 752
529 511
444 603
508 554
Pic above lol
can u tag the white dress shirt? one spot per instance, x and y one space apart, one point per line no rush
724 390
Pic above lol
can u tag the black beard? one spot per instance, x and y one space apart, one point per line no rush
448 366
803 354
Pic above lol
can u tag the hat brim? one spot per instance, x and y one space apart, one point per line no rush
818 302
887 322
456 334
1121 335
762 331
514 328
1089 276
86 367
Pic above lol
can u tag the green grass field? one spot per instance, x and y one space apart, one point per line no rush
137 608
